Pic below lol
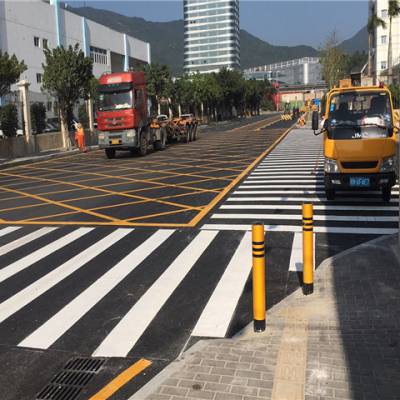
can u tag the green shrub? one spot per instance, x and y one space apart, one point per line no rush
9 120
38 117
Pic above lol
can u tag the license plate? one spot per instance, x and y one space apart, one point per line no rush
114 141
359 181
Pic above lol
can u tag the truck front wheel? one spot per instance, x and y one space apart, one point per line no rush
161 144
143 144
110 153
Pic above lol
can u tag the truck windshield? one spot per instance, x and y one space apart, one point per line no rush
359 115
114 98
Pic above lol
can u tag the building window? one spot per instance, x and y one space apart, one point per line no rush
45 43
98 55
383 65
383 39
39 78
36 41
384 13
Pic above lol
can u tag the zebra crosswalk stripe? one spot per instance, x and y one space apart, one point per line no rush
40 286
128 331
8 229
57 325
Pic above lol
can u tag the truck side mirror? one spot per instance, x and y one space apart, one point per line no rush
315 121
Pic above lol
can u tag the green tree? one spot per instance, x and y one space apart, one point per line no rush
38 117
333 61
83 115
10 71
9 120
67 77
393 11
373 23
159 84
354 62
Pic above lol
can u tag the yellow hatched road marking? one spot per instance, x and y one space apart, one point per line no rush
122 379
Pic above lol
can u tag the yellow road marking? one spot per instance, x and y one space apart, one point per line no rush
155 215
122 379
56 203
216 199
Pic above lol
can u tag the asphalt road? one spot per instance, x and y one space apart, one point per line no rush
117 261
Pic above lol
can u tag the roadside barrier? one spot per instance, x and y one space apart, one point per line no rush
308 249
286 117
259 306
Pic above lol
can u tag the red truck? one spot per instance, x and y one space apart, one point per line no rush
123 116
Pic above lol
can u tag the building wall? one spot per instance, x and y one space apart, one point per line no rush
381 38
302 71
211 35
23 21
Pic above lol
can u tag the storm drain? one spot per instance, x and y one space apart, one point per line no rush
68 383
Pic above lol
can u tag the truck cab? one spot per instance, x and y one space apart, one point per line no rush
122 114
359 135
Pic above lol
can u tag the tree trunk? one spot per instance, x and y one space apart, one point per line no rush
389 66
369 54
64 131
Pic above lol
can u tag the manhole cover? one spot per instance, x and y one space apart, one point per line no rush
68 383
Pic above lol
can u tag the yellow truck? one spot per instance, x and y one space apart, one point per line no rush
360 131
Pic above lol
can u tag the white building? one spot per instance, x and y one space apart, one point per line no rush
27 27
301 71
381 38
211 35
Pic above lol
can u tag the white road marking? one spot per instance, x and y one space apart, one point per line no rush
8 229
296 255
217 314
257 179
37 255
294 228
299 207
322 192
128 331
15 244
283 186
310 199
56 326
37 288
353 218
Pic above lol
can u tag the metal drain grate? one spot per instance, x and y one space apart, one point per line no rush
68 383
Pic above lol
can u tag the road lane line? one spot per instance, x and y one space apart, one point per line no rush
353 218
8 229
39 254
297 228
217 314
25 240
299 207
311 199
58 324
322 192
123 378
42 285
131 327
283 186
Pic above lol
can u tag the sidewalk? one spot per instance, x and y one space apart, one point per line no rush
342 342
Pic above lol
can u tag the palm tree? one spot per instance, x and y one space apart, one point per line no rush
373 23
393 11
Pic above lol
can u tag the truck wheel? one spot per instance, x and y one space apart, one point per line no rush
110 153
190 133
386 193
143 144
330 194
194 132
186 137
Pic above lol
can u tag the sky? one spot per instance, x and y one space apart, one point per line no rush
277 22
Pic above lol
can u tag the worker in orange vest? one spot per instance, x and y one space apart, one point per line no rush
80 137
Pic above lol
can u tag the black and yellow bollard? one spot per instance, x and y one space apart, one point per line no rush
308 249
258 277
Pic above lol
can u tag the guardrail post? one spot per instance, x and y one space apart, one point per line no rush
308 249
259 305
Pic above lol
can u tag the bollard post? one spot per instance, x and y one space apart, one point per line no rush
308 249
258 277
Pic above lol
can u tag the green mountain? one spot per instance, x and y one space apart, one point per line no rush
166 39
359 42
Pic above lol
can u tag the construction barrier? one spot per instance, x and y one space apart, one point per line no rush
308 249
259 302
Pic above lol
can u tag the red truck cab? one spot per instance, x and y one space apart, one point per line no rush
122 114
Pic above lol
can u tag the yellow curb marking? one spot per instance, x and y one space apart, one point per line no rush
122 379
